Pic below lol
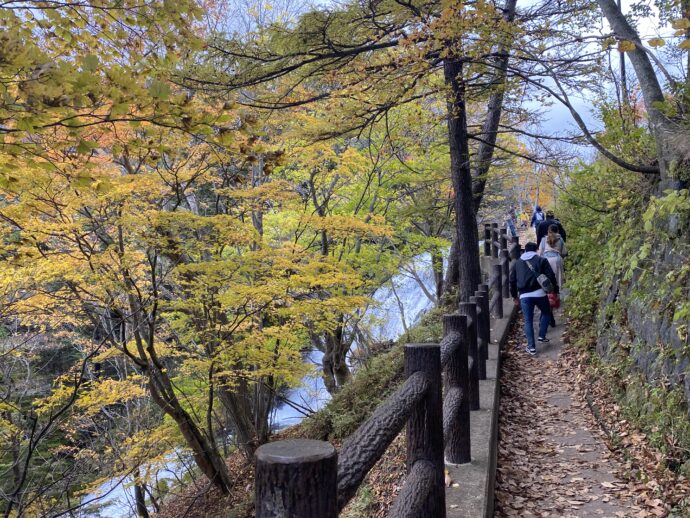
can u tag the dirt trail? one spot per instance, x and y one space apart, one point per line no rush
553 460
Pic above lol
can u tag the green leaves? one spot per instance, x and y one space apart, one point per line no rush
159 90
90 62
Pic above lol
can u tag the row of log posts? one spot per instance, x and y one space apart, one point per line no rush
475 317
300 478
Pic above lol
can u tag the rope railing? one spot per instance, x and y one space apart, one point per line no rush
303 477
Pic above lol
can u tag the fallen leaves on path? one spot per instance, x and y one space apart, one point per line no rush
553 458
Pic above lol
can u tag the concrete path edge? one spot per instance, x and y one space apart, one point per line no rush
471 493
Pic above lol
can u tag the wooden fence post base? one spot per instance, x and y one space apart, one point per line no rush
469 309
456 406
296 479
425 427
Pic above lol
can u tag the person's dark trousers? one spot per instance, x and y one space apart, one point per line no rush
527 304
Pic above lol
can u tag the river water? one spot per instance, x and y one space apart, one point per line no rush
383 320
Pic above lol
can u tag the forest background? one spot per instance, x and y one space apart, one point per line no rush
193 194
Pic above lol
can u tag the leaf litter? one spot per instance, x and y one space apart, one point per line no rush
554 457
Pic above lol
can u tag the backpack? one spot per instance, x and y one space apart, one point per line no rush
542 279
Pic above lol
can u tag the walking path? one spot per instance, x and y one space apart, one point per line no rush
552 457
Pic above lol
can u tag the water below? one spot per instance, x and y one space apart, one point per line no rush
400 298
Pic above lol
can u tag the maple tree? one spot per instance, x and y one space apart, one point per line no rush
393 57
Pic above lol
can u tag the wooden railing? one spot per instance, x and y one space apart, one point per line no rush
307 478
302 477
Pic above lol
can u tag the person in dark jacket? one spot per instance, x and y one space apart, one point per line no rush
526 290
543 227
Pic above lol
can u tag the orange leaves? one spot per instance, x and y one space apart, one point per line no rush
626 46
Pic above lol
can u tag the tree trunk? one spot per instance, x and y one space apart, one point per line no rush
437 266
469 270
140 497
335 370
209 461
494 109
451 281
486 148
662 128
238 405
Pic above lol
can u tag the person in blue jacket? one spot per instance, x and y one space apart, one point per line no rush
537 217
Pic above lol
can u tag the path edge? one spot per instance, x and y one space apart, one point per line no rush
472 489
502 329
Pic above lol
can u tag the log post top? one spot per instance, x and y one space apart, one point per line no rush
420 346
291 451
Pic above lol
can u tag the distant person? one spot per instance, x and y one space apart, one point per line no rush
552 248
543 227
525 289
537 217
510 223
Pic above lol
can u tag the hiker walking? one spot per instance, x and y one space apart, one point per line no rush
530 280
552 248
510 222
537 217
543 227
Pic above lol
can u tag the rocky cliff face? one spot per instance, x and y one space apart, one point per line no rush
641 317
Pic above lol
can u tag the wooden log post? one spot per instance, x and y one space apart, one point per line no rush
296 479
469 309
497 291
412 498
505 270
487 239
482 332
483 290
504 238
494 240
514 248
514 252
456 406
425 426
